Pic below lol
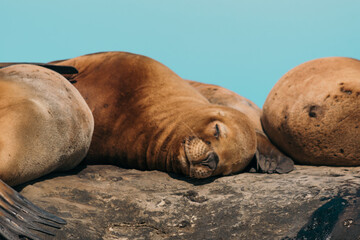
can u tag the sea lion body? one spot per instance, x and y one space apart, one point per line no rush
269 158
45 126
147 117
312 112
45 123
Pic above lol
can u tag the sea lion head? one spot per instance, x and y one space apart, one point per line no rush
220 141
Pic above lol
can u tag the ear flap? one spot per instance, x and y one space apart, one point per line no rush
269 159
57 68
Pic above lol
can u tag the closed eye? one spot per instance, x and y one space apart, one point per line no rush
217 131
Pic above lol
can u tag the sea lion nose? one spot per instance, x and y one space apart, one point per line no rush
211 161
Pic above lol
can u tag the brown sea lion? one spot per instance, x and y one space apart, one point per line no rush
268 158
312 113
147 117
45 126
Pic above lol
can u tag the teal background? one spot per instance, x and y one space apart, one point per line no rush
245 46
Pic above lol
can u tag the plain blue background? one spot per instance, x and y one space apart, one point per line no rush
245 46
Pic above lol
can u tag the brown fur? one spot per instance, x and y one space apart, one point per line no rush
45 123
147 117
312 113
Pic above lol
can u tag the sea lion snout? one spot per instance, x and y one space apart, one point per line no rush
211 161
201 158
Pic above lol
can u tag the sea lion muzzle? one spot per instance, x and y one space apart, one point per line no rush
196 150
201 158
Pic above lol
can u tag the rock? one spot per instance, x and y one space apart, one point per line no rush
107 202
312 113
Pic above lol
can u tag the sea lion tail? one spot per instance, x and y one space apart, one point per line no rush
57 68
21 218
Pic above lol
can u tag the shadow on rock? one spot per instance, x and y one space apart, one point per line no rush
193 181
339 218
73 171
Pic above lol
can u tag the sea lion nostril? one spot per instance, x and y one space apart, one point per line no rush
211 161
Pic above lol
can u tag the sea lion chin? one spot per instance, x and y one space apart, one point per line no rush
148 118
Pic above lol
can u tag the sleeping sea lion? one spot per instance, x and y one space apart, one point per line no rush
45 126
147 117
268 158
312 113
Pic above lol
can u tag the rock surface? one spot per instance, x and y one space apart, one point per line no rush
107 202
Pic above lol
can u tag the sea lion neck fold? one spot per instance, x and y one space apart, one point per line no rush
145 115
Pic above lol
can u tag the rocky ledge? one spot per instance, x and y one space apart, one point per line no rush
107 202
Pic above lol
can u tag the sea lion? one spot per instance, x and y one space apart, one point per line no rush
312 112
268 158
45 126
147 117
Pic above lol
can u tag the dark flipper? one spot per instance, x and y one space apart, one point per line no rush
56 68
20 218
269 159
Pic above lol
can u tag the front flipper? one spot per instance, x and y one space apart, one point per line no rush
269 159
57 68
20 218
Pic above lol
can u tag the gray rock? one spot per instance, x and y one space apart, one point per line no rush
107 202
